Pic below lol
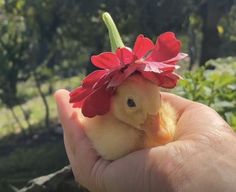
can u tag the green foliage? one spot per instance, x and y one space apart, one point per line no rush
215 88
13 46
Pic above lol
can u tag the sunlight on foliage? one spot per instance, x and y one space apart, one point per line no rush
2 3
215 88
33 103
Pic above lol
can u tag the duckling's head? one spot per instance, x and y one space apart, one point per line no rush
136 100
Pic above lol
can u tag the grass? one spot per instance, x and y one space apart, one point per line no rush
34 105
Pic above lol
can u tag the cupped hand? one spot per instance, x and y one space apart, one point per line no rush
202 157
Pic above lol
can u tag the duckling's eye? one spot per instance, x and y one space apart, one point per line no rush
131 103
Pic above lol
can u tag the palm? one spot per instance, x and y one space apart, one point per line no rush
140 169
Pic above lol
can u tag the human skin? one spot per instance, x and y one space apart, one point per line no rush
201 158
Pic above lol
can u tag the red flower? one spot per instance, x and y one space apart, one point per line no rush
154 62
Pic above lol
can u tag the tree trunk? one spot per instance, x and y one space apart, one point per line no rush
17 120
211 12
38 86
192 47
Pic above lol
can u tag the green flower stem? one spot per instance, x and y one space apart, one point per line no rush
114 36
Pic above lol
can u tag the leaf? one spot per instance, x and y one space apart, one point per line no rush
222 80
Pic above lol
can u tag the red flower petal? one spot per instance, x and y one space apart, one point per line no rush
117 79
130 70
156 67
104 80
174 60
151 77
78 104
167 80
142 46
125 55
93 77
79 94
106 60
167 47
97 103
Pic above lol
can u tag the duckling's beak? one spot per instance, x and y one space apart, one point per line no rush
156 133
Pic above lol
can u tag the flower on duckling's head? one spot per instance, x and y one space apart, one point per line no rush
154 62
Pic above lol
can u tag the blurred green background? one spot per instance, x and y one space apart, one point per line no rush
46 45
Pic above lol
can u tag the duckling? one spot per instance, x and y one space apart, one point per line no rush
137 119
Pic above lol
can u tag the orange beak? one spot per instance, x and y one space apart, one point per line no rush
156 132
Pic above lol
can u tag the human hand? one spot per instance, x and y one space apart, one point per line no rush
202 157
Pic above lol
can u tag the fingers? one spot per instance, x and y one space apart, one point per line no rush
195 120
80 153
65 109
65 113
180 104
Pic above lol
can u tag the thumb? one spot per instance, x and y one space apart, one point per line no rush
180 104
82 157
